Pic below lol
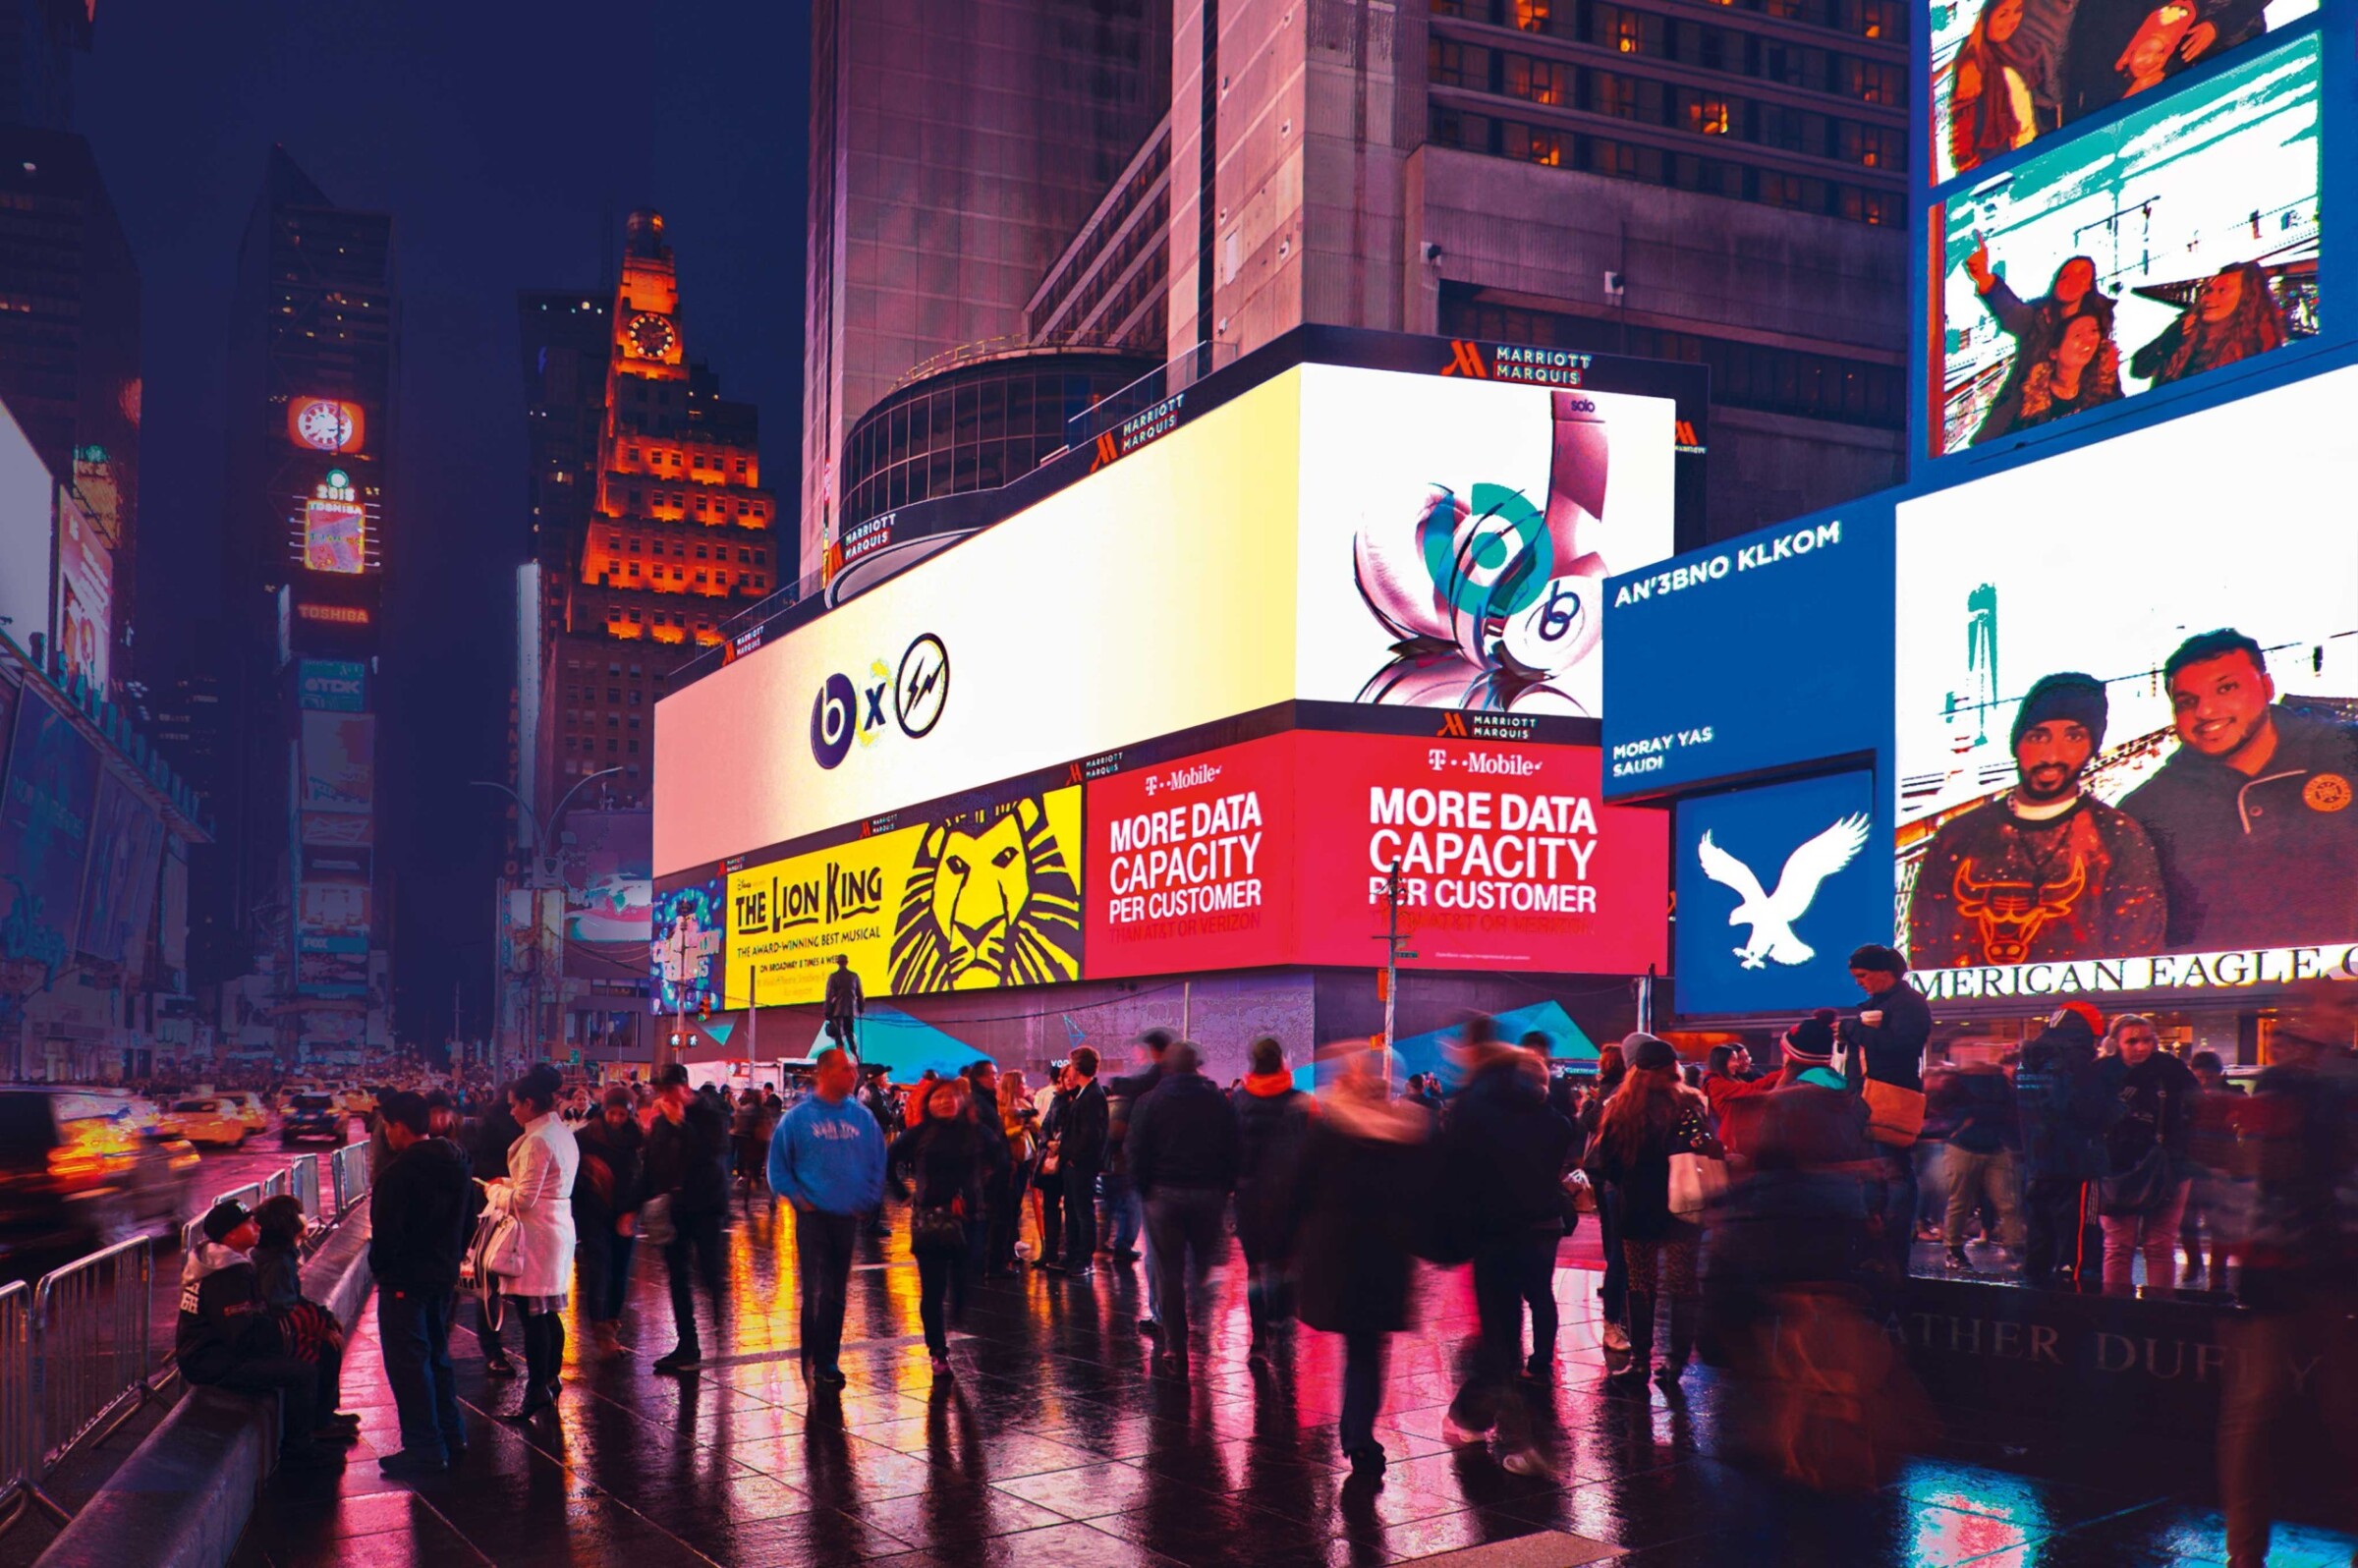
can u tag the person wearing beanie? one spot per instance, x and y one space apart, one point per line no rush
2045 872
1880 1056
227 1337
1273 1120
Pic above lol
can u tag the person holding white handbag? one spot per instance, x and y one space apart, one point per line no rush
1653 1124
535 1205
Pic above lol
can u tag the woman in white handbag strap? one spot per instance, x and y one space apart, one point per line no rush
1653 1119
535 1198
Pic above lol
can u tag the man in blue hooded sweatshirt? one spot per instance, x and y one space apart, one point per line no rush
827 1159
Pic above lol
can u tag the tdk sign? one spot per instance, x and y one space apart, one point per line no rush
909 696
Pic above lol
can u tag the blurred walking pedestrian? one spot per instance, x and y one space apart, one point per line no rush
537 1193
2147 1174
991 1230
1613 1295
2064 1112
1274 1127
1977 1106
417 1213
943 1156
1125 1213
688 1197
605 1214
1361 1199
1183 1157
1884 1060
1503 1155
486 1142
826 1160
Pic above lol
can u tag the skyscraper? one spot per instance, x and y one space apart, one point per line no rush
669 534
1608 175
311 427
38 39
954 152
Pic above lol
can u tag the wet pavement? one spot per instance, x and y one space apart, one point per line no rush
1054 1446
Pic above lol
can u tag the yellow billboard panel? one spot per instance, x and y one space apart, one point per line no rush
977 901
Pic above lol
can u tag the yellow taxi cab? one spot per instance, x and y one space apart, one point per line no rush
360 1102
208 1119
247 1106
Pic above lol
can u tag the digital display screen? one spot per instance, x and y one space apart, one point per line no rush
1777 885
981 900
1726 660
335 536
2008 72
2175 241
2126 738
1334 533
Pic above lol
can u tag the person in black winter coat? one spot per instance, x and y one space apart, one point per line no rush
1182 1153
1125 1212
418 1214
1652 1119
2061 1095
1080 1156
606 1194
1884 1040
688 1166
1503 1155
227 1337
1358 1204
1272 1125
2147 1169
944 1159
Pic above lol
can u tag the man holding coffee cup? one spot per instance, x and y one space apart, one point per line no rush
1884 1062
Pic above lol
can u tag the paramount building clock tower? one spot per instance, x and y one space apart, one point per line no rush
679 535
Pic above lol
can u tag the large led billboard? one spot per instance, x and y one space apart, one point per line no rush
46 821
1776 886
1334 533
1281 849
1746 655
977 901
1475 523
2174 240
1273 851
2126 738
2008 72
85 593
609 893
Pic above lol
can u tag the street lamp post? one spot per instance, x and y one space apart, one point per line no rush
541 875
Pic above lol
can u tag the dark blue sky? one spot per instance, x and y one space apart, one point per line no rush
507 138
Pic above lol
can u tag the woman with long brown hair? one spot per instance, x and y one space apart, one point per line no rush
2234 317
1652 1117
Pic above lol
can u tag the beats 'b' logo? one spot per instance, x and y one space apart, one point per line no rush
833 720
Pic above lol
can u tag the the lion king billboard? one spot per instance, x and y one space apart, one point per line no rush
977 901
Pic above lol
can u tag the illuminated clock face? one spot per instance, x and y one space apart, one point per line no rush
652 337
325 424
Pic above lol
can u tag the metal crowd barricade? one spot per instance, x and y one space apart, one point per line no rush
92 1324
276 1184
352 1176
303 1180
20 1423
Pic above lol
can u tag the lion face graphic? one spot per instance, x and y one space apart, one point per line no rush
985 907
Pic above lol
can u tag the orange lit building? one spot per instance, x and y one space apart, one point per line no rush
678 536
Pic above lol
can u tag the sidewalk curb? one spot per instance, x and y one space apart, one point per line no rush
185 1495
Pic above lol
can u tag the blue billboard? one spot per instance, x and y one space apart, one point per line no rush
1777 885
1771 650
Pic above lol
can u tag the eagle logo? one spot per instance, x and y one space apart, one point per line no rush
1771 915
988 906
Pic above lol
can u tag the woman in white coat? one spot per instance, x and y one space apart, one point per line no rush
538 1194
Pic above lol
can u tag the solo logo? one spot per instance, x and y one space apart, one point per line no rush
844 712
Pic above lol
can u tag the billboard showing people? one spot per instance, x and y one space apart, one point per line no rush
2172 241
2008 72
2127 692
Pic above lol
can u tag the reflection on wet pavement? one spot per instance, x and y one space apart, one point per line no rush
1055 1447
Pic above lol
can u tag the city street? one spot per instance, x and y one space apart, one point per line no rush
1054 1446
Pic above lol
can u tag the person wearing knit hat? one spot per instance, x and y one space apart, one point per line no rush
227 1337
2045 872
1646 1053
1809 1047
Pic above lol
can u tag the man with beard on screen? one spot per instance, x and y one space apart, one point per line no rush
2046 872
2252 814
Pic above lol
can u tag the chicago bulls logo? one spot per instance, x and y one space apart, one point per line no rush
2011 914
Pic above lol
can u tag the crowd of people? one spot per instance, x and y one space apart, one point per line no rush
1757 1209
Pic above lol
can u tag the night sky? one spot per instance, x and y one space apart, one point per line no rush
508 138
